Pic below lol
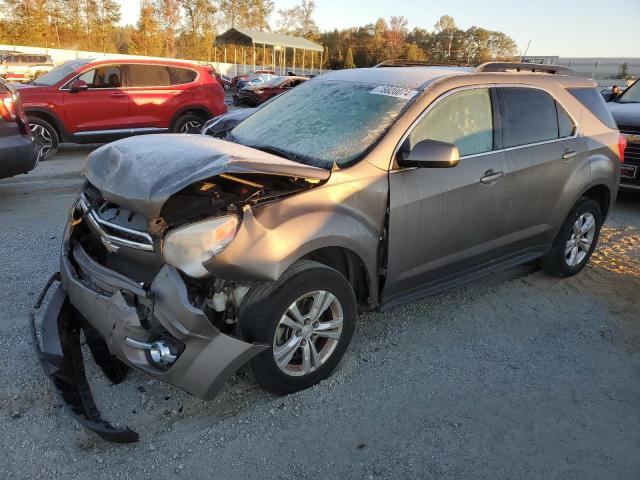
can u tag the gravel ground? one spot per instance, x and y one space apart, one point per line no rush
521 376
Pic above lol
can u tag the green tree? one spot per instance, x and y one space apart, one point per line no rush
298 20
348 61
147 39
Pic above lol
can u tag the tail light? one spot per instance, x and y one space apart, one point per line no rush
8 109
622 145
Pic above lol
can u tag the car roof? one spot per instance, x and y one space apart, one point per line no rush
405 77
143 61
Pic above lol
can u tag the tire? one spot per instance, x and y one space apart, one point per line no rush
572 248
263 311
46 138
190 123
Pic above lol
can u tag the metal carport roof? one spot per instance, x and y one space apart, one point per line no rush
241 36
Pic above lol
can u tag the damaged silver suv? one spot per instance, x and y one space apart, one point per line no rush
187 257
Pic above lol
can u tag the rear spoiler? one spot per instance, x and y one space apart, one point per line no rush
524 68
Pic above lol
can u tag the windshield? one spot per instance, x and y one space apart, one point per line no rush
322 122
631 94
59 73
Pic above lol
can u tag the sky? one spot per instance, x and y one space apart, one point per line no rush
568 28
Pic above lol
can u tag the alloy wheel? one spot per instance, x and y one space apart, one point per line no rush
191 127
308 333
43 139
579 243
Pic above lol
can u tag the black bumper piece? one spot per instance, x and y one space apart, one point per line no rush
61 358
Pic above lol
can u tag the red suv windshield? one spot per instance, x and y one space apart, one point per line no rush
59 73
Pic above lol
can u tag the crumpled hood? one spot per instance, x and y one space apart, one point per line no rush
627 114
141 173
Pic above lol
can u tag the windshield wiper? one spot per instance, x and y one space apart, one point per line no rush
276 151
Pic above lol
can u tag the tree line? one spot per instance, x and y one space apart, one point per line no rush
188 28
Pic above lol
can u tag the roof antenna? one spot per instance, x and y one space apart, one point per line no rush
525 52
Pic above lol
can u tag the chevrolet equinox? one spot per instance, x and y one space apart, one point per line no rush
188 256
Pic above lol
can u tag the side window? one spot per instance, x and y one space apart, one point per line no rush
149 76
180 76
103 77
464 119
528 116
566 127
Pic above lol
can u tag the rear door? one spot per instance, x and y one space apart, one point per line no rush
156 92
445 223
542 151
103 106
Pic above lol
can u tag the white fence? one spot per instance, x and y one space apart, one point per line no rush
60 56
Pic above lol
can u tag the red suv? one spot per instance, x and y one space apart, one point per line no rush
95 101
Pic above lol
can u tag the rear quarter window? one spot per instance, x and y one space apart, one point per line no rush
180 76
593 101
528 115
141 75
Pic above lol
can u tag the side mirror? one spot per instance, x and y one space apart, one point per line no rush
431 154
78 86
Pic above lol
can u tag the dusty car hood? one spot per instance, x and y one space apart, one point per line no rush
141 173
625 113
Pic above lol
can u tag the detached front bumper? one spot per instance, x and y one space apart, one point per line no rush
111 308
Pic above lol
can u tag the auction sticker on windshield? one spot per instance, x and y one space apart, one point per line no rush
398 92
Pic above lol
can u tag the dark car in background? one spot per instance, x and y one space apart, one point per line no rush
96 101
626 112
18 151
254 94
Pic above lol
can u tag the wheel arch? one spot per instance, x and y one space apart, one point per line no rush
351 266
50 117
601 194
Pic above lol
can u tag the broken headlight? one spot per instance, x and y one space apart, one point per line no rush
187 248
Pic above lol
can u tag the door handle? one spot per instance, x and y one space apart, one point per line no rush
491 177
117 95
569 154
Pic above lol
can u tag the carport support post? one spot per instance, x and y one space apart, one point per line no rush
293 68
244 60
303 55
264 56
235 59
320 67
312 62
225 54
253 47
284 60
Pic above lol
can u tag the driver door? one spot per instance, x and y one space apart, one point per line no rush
445 224
103 106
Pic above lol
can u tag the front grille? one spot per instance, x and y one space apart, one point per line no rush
633 146
100 215
629 129
632 152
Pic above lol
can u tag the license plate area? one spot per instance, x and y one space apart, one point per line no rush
628 171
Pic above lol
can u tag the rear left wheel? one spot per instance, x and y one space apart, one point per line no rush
307 318
575 241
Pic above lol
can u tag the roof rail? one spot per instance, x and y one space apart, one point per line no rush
415 63
524 67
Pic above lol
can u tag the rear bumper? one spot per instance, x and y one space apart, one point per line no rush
107 307
18 154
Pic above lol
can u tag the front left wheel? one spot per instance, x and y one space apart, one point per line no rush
307 318
45 137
